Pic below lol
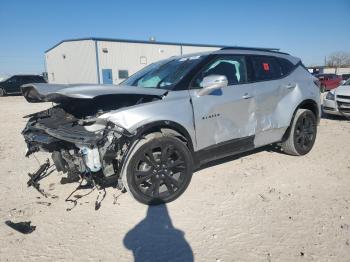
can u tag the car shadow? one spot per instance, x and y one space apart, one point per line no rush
156 239
334 117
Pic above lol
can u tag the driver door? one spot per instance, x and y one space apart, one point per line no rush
224 119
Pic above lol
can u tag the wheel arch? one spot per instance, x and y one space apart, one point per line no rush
306 104
310 105
158 126
153 127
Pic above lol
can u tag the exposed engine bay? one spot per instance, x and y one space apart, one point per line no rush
80 143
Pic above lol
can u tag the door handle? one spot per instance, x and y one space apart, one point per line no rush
247 96
291 85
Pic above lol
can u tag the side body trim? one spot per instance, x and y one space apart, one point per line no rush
224 149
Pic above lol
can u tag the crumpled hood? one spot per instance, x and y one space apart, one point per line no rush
343 90
42 92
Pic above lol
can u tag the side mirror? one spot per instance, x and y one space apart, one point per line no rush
211 83
342 82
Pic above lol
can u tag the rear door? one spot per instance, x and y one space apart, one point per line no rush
270 86
224 120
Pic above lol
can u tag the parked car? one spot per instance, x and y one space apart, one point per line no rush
150 133
328 81
345 76
337 101
12 85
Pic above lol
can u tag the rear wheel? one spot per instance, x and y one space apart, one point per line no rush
158 170
302 134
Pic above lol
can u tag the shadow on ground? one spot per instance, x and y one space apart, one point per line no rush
156 239
335 117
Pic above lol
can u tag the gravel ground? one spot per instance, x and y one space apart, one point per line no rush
261 206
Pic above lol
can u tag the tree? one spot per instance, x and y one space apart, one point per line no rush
338 59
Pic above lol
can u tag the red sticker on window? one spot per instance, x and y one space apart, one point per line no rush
266 66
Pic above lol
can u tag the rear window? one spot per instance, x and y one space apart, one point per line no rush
266 68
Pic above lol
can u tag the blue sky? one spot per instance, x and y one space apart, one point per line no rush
305 28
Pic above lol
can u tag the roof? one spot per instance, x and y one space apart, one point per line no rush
164 43
133 41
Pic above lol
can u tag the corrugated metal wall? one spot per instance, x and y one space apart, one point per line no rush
72 62
338 71
196 49
75 61
131 56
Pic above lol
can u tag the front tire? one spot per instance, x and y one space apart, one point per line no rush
302 134
158 170
2 92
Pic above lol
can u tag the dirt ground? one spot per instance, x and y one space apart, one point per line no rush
261 206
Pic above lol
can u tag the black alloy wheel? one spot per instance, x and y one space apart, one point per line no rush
160 170
305 132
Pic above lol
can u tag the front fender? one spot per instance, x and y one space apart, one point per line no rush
173 110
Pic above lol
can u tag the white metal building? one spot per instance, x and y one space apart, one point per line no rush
108 61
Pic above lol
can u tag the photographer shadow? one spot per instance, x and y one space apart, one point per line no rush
156 239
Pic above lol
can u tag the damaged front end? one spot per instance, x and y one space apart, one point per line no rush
81 143
74 150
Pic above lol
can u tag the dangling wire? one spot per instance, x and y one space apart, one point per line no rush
77 197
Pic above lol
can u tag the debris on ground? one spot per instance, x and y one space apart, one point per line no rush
43 203
22 227
77 196
263 198
115 198
100 199
44 171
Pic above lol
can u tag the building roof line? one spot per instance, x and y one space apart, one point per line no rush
132 41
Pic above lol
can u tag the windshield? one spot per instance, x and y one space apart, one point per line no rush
164 74
347 82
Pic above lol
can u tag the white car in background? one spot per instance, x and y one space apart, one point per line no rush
337 101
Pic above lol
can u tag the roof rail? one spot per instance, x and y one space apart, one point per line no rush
265 49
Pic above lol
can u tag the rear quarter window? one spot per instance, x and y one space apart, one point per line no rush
266 68
286 66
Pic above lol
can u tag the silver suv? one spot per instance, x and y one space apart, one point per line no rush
148 134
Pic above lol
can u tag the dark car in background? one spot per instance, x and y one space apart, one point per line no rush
12 84
328 81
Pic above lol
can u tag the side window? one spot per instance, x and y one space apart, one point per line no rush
13 79
286 66
266 68
233 67
123 74
26 79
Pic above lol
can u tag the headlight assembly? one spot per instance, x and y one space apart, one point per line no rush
330 96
